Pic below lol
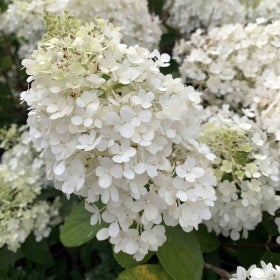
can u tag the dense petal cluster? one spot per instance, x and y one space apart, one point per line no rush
265 272
237 65
188 15
25 18
247 172
21 176
267 9
117 131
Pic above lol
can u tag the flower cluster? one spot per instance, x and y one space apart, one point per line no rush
25 18
267 9
118 133
189 15
20 183
266 272
237 65
247 173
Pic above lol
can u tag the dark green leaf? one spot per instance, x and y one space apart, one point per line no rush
8 258
269 225
3 275
37 251
208 241
127 261
181 255
271 257
77 229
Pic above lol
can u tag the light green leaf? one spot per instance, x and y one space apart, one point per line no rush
144 272
181 255
77 229
127 261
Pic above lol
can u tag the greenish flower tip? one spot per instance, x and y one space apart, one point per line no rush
227 143
9 137
60 26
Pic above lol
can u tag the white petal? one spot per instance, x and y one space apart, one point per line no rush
115 194
151 171
51 108
198 172
116 171
59 169
180 171
183 196
139 168
88 122
127 130
67 188
102 234
80 102
114 229
150 212
105 181
131 247
126 113
94 219
92 107
190 177
128 174
77 120
145 116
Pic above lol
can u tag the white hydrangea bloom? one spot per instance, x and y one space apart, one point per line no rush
247 171
267 9
188 15
25 18
236 65
21 177
116 130
265 272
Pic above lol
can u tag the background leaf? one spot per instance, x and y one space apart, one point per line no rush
77 229
144 272
37 251
127 261
181 255
208 241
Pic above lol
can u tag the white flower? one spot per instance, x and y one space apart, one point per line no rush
21 182
25 18
245 182
106 171
110 127
266 272
236 65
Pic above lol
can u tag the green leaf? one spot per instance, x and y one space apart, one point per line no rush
77 229
127 261
208 241
181 255
156 6
214 259
8 258
269 225
271 257
245 251
3 275
144 272
37 251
